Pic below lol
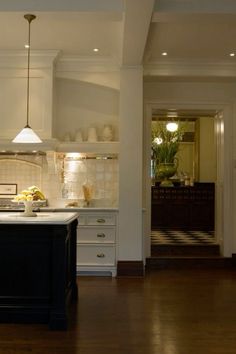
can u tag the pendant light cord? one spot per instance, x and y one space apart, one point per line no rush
29 18
27 135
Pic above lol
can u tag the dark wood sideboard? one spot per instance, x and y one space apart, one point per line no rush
189 208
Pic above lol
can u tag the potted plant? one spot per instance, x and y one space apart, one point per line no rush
165 145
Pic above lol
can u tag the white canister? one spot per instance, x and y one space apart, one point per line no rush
107 133
92 135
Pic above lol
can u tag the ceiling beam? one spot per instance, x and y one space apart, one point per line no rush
196 6
137 18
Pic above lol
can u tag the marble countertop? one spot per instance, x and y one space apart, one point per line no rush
48 217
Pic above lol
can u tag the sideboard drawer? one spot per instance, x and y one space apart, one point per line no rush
96 234
95 255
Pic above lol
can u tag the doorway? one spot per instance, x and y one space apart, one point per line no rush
183 205
223 216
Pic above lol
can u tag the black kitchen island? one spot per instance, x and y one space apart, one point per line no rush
37 268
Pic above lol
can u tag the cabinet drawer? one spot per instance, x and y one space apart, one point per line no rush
101 219
96 234
95 255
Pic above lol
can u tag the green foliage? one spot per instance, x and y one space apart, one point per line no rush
165 151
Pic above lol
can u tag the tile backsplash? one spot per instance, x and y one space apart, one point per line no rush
23 172
100 172
61 176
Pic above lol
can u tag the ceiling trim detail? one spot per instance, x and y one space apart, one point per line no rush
13 59
190 68
86 64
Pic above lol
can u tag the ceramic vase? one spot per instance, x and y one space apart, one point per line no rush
28 209
79 136
92 135
107 134
164 171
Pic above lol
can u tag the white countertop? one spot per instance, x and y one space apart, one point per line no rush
77 209
52 218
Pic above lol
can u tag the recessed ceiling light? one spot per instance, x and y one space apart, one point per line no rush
164 53
232 54
26 46
95 49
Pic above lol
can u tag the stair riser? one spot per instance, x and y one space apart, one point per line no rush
169 250
173 263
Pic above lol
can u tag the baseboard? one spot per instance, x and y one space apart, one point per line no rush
188 262
130 269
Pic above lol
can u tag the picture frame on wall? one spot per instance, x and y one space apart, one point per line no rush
7 190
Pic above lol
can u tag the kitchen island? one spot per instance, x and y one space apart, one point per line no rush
37 267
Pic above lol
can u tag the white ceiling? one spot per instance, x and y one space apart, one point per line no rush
73 33
127 31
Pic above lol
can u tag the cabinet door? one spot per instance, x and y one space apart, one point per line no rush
170 215
159 215
202 216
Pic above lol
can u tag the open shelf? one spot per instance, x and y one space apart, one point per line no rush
97 147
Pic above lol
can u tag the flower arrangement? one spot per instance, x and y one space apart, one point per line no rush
33 193
165 143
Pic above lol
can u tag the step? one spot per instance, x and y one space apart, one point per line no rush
162 262
185 250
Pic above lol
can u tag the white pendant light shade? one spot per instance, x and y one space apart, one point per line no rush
27 136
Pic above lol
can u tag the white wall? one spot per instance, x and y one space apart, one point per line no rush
13 92
130 165
207 150
80 105
185 157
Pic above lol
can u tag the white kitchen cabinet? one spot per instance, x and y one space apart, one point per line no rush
96 242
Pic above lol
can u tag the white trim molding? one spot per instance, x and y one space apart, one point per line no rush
12 59
190 68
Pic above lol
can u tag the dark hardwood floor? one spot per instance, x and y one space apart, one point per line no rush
166 312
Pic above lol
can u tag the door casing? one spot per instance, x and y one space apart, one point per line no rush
224 185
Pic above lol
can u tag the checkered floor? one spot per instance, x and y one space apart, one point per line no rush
166 236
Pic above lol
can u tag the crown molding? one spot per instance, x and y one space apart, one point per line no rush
86 64
17 59
190 68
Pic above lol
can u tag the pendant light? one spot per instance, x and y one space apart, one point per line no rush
27 135
172 127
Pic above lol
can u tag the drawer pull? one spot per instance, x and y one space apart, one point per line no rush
101 235
101 255
101 221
